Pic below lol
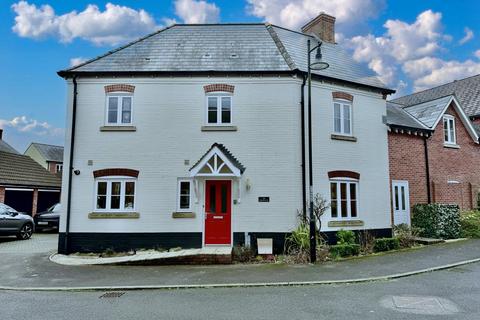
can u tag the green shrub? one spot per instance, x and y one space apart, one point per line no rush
345 237
405 234
437 220
344 250
386 244
470 222
243 254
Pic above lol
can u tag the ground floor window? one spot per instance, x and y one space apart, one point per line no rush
115 194
343 197
184 199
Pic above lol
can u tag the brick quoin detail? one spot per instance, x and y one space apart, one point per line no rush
115 172
119 88
343 174
219 87
2 194
342 95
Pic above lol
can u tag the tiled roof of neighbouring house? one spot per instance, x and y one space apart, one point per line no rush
5 147
49 152
467 91
396 116
227 48
21 170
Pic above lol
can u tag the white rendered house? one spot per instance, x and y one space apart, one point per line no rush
194 136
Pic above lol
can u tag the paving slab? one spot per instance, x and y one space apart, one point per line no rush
27 269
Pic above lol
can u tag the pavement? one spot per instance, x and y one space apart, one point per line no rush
24 265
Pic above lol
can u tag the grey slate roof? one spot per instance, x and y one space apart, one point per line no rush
49 152
5 147
396 116
227 48
467 92
21 170
227 153
429 112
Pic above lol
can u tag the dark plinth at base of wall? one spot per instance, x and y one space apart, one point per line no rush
331 236
120 242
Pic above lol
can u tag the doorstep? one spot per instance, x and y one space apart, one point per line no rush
428 241
202 256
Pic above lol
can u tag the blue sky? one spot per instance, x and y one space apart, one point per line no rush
411 45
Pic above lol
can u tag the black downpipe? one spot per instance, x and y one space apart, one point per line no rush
304 179
427 169
70 166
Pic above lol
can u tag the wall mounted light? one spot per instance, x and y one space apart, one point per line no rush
77 172
248 184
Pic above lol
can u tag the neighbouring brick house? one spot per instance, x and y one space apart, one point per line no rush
433 147
24 184
48 156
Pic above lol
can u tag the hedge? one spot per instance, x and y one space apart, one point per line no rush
437 220
386 244
470 222
344 250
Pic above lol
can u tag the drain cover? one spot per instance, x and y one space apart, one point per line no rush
113 294
427 305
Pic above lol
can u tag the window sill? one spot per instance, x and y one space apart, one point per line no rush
114 215
334 136
183 215
118 128
345 223
451 145
219 128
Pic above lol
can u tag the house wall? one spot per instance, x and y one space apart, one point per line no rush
454 172
33 153
168 114
52 166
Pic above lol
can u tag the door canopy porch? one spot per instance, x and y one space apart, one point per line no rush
217 162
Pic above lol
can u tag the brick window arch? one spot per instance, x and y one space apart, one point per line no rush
219 87
343 174
116 172
342 95
119 88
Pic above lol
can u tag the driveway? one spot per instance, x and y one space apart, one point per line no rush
39 243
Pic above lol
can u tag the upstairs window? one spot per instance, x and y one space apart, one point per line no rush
449 129
115 194
119 109
342 117
344 198
58 167
219 110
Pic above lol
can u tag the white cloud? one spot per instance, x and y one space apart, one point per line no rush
113 25
468 36
477 53
191 11
76 61
26 125
295 13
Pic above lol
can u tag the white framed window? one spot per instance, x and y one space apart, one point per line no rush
58 167
119 109
342 117
184 195
219 109
343 198
449 129
115 194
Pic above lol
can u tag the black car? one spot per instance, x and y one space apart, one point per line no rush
48 219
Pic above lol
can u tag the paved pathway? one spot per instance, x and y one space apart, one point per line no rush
23 269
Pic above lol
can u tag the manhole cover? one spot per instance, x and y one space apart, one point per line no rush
112 294
427 305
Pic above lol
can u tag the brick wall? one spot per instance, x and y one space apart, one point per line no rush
454 173
2 194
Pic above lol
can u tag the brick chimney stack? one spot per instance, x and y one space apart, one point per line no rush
323 26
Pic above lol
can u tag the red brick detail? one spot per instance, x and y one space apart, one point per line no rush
2 194
454 173
34 202
219 87
342 95
343 174
119 88
115 172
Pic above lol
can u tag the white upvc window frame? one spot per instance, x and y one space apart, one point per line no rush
119 96
58 167
449 130
109 180
179 194
343 103
219 96
348 182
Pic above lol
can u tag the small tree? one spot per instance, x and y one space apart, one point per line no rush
320 206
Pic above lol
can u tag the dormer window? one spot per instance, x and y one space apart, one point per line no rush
449 129
219 109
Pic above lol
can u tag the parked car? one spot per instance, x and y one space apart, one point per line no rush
48 219
15 223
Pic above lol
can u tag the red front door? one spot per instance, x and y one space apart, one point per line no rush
218 211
